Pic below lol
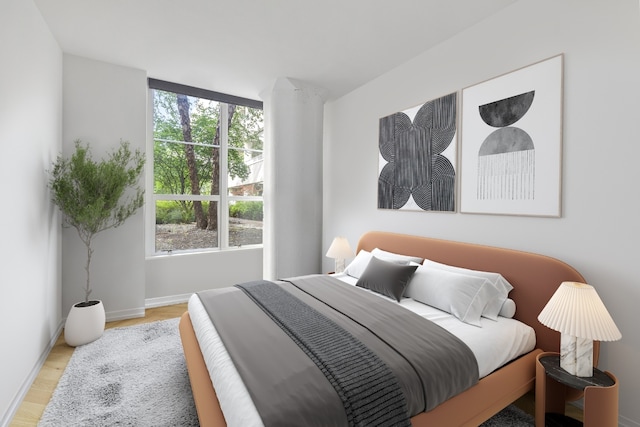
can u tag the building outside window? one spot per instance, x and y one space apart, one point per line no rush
207 169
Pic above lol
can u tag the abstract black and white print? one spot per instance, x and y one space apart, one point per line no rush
417 157
506 159
511 137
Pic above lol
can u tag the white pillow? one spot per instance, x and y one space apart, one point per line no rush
390 256
508 308
462 295
361 261
500 283
359 264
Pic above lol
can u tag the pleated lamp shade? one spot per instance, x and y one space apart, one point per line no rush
576 309
340 250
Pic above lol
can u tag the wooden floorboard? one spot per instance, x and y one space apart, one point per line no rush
39 394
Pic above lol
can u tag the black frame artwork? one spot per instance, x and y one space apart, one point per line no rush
511 142
417 157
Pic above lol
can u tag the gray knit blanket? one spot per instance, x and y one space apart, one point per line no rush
368 389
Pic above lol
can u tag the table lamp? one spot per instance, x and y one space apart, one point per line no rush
577 312
339 250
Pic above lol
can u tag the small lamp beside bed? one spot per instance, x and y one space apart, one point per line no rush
577 312
340 250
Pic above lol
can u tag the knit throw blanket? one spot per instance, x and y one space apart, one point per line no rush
367 387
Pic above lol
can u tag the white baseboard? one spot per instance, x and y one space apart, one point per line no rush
148 303
24 389
131 313
163 301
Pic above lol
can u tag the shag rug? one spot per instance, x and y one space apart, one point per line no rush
136 376
131 376
511 416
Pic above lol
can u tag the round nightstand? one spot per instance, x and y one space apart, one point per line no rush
600 395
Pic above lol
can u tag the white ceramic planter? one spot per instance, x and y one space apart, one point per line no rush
85 323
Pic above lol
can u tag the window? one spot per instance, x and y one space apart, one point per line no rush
207 169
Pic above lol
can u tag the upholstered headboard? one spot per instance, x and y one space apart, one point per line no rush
534 277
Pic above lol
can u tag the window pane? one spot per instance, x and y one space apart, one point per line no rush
177 229
251 182
186 144
245 151
245 223
171 171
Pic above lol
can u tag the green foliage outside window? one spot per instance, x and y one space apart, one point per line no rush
171 171
246 210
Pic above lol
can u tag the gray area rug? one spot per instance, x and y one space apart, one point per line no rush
511 416
131 376
136 376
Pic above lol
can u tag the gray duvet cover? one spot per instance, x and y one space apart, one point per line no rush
287 387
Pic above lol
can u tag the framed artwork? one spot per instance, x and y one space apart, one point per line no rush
417 157
511 142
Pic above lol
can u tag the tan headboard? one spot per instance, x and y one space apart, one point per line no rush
534 277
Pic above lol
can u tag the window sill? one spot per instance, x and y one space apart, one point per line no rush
168 254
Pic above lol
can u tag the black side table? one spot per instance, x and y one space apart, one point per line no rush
600 395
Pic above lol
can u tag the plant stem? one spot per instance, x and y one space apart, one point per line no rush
87 289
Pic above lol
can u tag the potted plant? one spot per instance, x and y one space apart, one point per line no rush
94 197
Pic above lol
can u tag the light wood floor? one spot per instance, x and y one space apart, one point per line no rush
37 398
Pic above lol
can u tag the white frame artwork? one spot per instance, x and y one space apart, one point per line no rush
511 142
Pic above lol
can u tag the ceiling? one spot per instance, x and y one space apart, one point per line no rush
241 46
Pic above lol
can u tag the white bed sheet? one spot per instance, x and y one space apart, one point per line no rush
494 344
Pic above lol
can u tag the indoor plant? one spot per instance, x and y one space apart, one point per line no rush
92 198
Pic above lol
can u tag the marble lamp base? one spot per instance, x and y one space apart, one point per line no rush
576 355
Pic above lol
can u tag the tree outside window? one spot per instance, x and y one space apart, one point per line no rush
208 173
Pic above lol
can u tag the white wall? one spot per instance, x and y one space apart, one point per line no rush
173 278
598 231
30 134
103 104
293 178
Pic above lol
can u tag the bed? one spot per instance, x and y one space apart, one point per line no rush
534 279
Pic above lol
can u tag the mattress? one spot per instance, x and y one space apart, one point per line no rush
494 344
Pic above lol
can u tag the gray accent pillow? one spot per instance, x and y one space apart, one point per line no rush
357 267
386 278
